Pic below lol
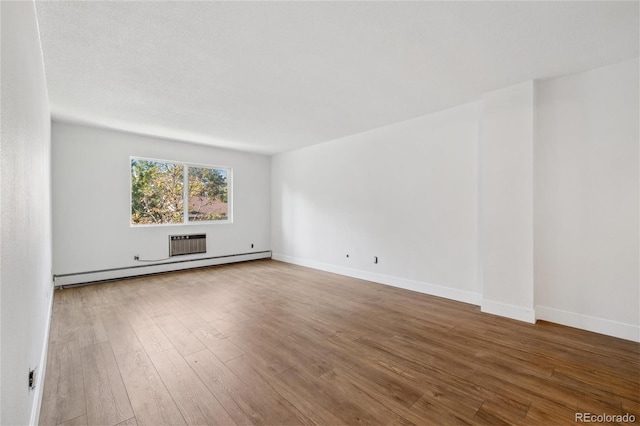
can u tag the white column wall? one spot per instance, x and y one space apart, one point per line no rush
506 202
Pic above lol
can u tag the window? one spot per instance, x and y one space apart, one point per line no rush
208 194
159 190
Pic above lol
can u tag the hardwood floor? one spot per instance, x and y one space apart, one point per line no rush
268 343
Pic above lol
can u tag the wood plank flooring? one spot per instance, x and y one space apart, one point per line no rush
268 343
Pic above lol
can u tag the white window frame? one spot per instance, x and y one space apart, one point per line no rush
185 194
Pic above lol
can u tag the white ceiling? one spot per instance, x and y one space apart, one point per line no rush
274 76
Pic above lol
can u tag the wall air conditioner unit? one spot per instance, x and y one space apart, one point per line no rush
187 244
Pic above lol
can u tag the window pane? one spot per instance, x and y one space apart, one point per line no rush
208 194
156 192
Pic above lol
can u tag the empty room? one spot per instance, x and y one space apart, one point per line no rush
319 213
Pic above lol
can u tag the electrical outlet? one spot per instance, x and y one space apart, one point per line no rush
375 259
33 378
251 245
136 257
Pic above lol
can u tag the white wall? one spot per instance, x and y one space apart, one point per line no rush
91 201
506 202
526 202
586 214
406 193
25 211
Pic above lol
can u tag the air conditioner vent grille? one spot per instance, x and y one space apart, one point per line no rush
187 244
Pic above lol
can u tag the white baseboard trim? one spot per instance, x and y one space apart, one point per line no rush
42 370
589 323
133 271
510 311
418 286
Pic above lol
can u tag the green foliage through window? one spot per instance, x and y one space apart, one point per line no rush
207 194
158 193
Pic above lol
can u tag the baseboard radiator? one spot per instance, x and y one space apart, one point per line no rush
88 277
